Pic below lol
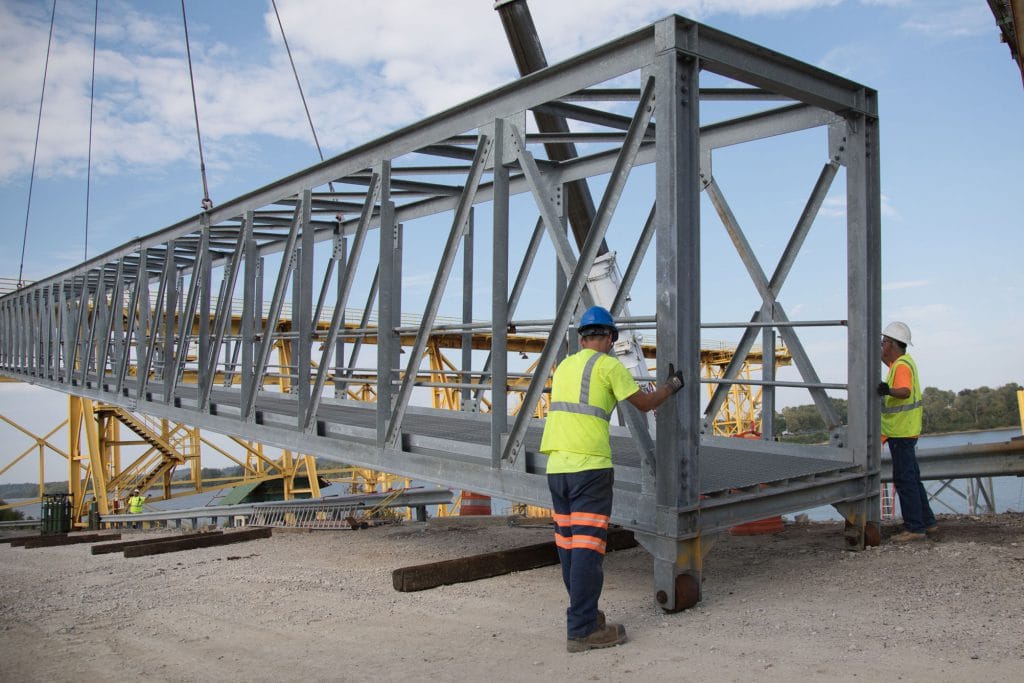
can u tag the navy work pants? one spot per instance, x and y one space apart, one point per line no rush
906 475
582 502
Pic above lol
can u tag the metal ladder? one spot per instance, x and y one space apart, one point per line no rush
320 514
888 499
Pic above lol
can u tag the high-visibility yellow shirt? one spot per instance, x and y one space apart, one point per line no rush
902 417
135 504
585 388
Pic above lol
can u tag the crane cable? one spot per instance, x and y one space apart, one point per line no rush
92 99
302 95
207 204
35 151
296 73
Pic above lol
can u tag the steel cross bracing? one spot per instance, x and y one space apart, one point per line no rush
471 181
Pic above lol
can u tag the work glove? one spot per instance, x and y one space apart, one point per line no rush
675 378
883 389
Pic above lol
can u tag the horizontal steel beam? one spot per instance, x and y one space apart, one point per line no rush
408 498
1005 459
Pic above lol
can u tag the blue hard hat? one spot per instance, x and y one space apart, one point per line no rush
596 316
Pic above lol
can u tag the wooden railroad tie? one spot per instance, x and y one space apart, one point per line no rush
197 541
18 541
444 573
118 547
67 539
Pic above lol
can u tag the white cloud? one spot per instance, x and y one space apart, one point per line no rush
922 312
945 20
366 68
906 284
835 207
858 61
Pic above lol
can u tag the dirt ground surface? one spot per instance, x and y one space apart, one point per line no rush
793 605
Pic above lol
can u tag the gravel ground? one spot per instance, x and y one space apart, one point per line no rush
794 605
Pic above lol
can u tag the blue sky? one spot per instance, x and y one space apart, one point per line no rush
951 107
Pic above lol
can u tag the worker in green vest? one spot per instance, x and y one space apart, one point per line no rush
585 388
135 503
901 425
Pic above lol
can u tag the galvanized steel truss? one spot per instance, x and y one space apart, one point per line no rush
124 327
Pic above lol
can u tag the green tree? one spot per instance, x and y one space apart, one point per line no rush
806 419
11 515
944 411
938 409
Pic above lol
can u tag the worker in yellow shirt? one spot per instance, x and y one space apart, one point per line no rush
135 503
902 414
585 388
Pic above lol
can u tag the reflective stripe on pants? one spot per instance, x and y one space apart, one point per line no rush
582 502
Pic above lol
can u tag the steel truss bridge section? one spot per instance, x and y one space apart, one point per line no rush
464 194
337 512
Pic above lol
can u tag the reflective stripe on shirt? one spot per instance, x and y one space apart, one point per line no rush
584 407
902 408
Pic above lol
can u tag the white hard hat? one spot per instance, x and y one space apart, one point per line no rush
898 331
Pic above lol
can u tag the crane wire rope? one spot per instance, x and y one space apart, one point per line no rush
302 95
206 203
298 83
35 151
92 100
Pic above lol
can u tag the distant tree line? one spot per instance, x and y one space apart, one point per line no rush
944 411
11 515
31 490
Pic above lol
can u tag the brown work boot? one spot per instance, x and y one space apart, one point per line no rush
908 536
608 635
601 621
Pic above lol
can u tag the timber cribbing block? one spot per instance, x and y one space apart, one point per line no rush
447 572
19 541
197 541
68 539
118 547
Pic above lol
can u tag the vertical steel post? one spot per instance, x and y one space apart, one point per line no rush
170 317
33 332
768 375
864 298
467 312
302 314
340 250
142 327
500 309
388 304
677 220
205 294
250 314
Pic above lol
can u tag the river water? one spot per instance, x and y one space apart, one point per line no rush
1008 491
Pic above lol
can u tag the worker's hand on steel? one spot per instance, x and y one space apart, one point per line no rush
675 378
883 389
